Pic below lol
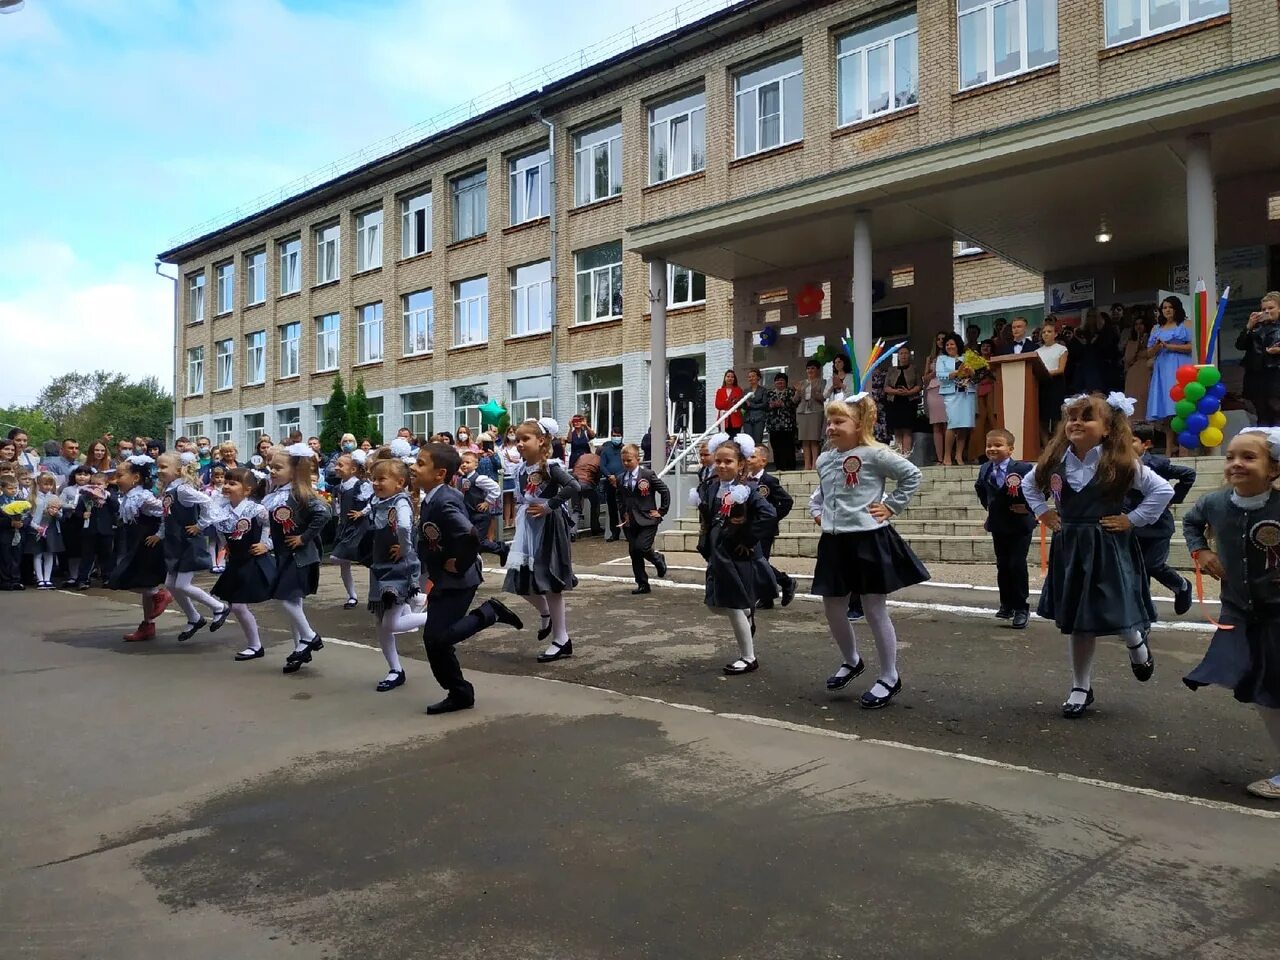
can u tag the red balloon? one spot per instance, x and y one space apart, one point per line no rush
1187 373
1177 391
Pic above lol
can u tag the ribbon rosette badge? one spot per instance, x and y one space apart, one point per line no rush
431 534
764 491
241 528
851 467
643 487
726 504
167 503
1013 483
1055 488
284 517
535 482
1265 535
391 518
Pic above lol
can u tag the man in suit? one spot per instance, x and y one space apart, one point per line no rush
1154 538
1010 523
449 551
782 502
1019 342
645 501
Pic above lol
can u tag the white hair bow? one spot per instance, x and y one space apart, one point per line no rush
140 460
548 426
300 450
1118 401
694 499
359 456
1074 398
400 448
259 474
739 493
747 444
715 441
856 397
187 457
1271 435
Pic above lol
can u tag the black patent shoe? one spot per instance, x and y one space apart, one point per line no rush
837 682
252 654
220 618
562 650
870 701
544 632
660 564
1073 711
350 603
1020 619
192 629
299 657
1143 671
449 705
1004 613
390 683
504 614
741 666
641 589
788 591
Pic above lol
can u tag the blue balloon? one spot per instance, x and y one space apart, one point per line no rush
1218 390
1188 439
1195 423
1208 405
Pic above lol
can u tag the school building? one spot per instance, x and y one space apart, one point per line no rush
923 163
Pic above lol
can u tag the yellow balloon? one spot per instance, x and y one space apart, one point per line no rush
1217 420
1210 436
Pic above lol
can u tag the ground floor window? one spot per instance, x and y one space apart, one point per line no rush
985 322
530 399
418 410
466 405
222 430
194 429
599 398
255 425
289 419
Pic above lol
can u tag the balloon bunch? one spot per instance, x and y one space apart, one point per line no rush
808 300
768 337
1197 397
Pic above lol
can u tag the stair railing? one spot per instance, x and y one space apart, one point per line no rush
679 498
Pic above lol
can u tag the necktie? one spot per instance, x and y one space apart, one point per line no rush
1000 472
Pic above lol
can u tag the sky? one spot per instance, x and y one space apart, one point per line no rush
126 122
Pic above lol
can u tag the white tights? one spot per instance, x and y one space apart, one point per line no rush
1082 648
740 621
297 617
249 624
550 606
875 608
348 581
397 619
185 591
44 567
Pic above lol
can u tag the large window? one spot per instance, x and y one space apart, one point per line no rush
877 70
290 265
419 323
467 402
597 164
471 311
255 276
288 419
194 429
369 240
678 137
1133 19
224 275
290 337
369 333
195 297
470 202
419 413
599 279
769 106
530 398
255 425
999 38
224 357
685 287
531 298
221 430
377 409
255 357
599 398
195 371
328 332
328 253
530 187
415 224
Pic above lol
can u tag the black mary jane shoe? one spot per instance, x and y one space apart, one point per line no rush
639 590
350 603
192 629
390 683
449 705
870 701
788 591
1182 599
1004 613
1143 671
741 666
251 654
1020 618
562 650
544 632
1073 711
837 682
220 618
293 663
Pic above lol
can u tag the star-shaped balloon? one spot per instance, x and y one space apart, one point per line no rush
491 413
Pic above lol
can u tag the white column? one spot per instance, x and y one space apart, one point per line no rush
862 285
658 362
1202 216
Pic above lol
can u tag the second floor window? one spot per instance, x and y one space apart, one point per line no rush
369 240
369 333
195 371
225 278
255 357
290 266
290 335
1000 38
530 187
678 137
255 276
415 225
877 70
597 164
531 298
471 311
224 356
685 287
769 106
195 297
1134 19
328 330
419 323
599 276
470 202
328 250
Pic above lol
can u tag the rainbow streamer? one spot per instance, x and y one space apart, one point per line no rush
1200 308
853 361
1217 325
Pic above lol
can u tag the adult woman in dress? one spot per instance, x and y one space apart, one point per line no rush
1052 383
580 437
839 386
984 384
98 456
902 388
809 413
934 408
780 418
729 394
954 379
1169 347
1137 366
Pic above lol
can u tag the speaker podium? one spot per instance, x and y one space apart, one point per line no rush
1018 400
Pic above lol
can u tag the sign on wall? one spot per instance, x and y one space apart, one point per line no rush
1071 296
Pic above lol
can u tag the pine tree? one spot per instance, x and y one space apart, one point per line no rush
360 421
335 418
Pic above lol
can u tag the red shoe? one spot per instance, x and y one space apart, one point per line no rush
146 631
162 598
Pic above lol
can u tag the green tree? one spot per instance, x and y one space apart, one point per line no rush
65 395
360 422
334 417
37 426
122 408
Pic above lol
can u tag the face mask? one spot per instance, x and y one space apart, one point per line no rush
348 447
616 441
204 451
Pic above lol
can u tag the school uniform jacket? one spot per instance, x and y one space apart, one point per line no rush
776 494
1181 478
999 500
291 517
97 518
648 492
477 490
445 532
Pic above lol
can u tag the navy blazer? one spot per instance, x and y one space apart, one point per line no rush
636 505
1182 478
445 533
999 501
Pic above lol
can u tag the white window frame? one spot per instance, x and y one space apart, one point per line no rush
418 318
584 400
224 356
475 329
255 358
284 426
225 286
420 420
986 9
328 253
290 349
586 145
471 189
290 259
414 209
591 277
692 301
369 333
662 132
862 53
369 240
253 432
194 429
195 297
195 371
255 277
1110 7
222 430
377 410
755 93
529 408
530 186
328 342
469 413
530 301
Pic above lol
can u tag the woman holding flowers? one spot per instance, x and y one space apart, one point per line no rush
955 379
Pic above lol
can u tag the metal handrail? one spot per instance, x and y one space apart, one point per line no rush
710 431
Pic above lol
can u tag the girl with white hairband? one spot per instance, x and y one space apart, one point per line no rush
352 496
298 517
140 560
190 515
540 563
1234 536
250 572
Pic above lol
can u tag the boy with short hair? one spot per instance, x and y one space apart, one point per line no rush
645 501
1010 523
10 535
482 496
782 503
1154 538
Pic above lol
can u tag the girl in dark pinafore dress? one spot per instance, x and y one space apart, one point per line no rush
43 535
394 570
190 515
250 572
140 555
351 499
1096 584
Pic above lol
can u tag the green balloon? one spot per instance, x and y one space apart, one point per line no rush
1178 425
1195 390
1184 408
1208 376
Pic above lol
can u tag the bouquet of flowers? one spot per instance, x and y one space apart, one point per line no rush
16 510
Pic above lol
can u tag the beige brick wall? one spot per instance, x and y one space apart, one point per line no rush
986 277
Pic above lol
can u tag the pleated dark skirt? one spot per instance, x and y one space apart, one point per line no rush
552 569
51 542
392 582
191 557
1245 660
137 565
738 583
292 581
354 543
865 562
1096 583
249 581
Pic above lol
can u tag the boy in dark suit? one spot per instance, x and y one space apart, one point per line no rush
1010 523
449 551
482 496
1154 538
96 512
782 502
645 501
